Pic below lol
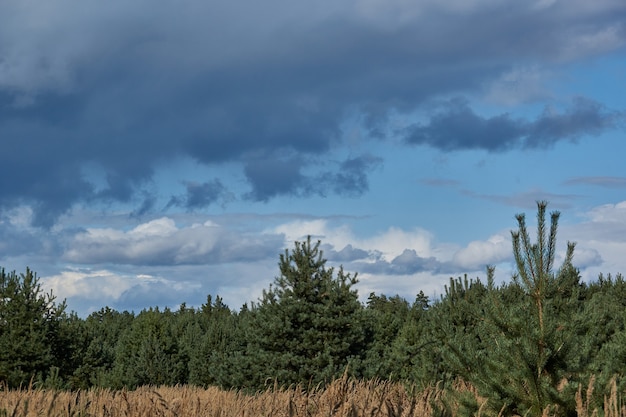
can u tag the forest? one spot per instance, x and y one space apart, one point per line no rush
525 344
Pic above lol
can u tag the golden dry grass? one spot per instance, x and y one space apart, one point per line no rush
343 398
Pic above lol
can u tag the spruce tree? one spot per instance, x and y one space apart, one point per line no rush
307 326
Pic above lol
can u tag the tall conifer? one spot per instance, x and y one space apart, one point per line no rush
29 323
524 358
307 326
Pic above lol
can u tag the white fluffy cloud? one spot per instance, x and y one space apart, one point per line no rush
609 214
477 254
90 290
127 268
402 261
100 285
390 243
162 242
600 240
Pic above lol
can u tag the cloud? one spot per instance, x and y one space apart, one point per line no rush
528 199
146 206
387 244
605 224
392 252
153 291
271 177
166 262
585 257
347 254
16 236
88 290
600 240
352 177
162 85
459 128
478 254
96 285
161 242
407 263
584 117
603 181
202 195
415 253
520 85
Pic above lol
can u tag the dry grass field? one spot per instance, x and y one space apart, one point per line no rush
343 398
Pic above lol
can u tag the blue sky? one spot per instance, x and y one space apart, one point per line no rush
155 153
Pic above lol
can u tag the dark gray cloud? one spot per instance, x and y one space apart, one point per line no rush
407 263
584 118
16 241
202 195
146 206
271 177
216 82
352 177
459 128
347 254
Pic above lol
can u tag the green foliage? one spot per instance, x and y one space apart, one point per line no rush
29 329
416 352
212 336
308 325
98 338
384 318
520 350
602 336
149 352
455 320
525 345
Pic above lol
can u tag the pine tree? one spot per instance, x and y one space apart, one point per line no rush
521 351
416 351
29 329
307 326
148 352
384 318
602 347
213 339
101 333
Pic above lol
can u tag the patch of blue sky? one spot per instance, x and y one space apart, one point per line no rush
599 79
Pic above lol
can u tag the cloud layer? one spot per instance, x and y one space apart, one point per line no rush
166 261
269 87
161 242
163 151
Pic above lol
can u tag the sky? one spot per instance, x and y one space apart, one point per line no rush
154 153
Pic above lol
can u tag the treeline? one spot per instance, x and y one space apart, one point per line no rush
526 344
